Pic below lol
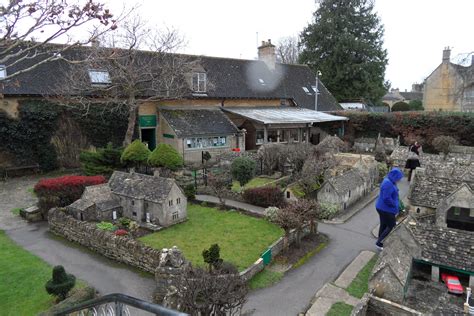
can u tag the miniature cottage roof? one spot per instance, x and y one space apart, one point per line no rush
141 186
195 122
98 195
347 181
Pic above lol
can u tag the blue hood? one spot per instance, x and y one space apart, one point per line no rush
395 174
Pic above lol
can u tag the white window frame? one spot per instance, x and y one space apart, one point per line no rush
3 72
202 142
99 77
199 82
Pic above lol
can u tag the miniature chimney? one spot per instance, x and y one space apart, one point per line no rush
266 53
446 54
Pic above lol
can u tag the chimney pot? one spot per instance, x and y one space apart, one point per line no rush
446 54
266 53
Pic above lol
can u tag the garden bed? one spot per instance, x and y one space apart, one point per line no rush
297 256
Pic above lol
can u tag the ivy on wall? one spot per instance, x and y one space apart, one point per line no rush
28 137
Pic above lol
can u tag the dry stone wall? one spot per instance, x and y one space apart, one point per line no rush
122 249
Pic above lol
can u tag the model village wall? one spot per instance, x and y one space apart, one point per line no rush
122 249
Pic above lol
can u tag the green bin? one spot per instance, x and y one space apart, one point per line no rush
267 257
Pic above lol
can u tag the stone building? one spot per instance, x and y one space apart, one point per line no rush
450 87
457 209
266 102
150 200
395 95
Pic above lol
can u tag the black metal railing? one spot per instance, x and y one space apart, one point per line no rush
117 305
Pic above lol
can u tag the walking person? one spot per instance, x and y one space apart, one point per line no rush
387 204
413 160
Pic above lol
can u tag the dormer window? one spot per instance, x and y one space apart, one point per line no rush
99 77
3 72
306 90
199 82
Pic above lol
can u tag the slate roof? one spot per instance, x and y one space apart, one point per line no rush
412 95
284 115
430 191
100 195
194 122
140 186
347 181
227 78
445 246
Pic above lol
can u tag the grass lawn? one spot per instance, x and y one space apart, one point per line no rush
265 278
241 238
340 309
23 277
360 285
254 183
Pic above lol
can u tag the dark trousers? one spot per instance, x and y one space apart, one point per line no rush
387 223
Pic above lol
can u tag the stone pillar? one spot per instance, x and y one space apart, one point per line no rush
265 134
471 281
434 274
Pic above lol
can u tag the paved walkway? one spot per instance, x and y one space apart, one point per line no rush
235 204
293 294
105 275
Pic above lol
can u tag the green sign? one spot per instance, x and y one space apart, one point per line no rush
168 136
267 257
147 120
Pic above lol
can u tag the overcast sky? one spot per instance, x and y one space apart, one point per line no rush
416 31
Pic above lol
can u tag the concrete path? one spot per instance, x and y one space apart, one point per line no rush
349 274
105 275
235 204
293 294
327 296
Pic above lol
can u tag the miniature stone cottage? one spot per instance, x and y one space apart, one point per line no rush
145 199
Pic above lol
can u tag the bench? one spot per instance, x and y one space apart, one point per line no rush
4 172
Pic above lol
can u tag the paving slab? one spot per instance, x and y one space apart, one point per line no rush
327 296
349 274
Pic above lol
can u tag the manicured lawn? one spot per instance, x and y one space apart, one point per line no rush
241 238
360 285
265 278
254 183
22 280
340 309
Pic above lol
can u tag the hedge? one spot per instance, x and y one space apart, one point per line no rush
62 191
264 196
410 126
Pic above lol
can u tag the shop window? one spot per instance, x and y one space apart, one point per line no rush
272 136
260 137
206 142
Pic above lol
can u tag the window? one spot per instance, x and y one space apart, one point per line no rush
133 202
457 211
199 82
272 136
261 81
418 210
206 142
306 90
134 214
175 216
260 137
345 205
99 77
3 71
170 203
178 201
283 136
349 193
314 89
288 194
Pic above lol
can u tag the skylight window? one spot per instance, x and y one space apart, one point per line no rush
99 77
262 82
306 90
315 89
3 71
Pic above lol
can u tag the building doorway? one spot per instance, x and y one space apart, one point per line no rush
148 135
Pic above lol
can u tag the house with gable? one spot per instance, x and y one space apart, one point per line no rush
152 201
230 104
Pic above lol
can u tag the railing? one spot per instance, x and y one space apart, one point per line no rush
117 305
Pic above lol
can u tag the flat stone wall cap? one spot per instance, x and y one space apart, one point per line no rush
32 209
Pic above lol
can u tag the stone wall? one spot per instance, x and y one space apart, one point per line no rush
122 249
372 305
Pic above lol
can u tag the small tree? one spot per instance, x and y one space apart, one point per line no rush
400 106
166 156
61 283
212 257
287 221
136 153
243 170
416 105
443 144
220 185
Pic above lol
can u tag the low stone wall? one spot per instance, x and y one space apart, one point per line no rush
372 305
122 249
276 248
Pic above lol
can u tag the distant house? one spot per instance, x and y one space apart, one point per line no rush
343 190
150 200
450 87
395 95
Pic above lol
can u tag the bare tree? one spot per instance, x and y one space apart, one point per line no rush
28 27
220 184
288 50
204 293
128 67
312 174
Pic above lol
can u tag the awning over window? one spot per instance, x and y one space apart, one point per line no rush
284 115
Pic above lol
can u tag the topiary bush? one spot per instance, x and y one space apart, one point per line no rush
61 283
400 107
243 170
264 196
62 191
166 156
135 154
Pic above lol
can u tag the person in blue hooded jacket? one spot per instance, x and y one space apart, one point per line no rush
387 204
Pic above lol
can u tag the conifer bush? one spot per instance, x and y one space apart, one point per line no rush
135 154
166 156
61 283
243 170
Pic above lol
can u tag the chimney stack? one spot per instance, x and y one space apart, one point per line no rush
266 53
446 54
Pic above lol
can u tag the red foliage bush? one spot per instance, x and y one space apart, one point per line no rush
121 232
62 191
264 196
